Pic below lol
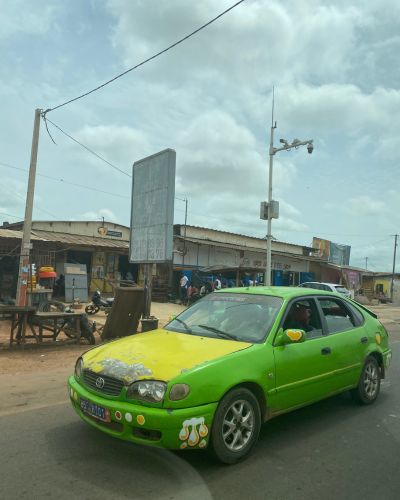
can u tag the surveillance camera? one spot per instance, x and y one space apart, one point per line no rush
310 147
283 141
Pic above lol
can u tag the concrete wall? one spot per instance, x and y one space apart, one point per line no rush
207 254
238 239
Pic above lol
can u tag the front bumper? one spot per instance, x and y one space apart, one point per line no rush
186 428
387 357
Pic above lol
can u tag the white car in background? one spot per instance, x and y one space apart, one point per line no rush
328 287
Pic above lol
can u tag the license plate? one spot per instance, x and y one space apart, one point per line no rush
95 411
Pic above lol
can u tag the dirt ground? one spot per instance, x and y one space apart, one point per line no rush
49 355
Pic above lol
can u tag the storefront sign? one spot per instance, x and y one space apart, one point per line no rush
115 234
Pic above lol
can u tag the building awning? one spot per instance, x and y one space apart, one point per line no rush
80 240
73 240
17 235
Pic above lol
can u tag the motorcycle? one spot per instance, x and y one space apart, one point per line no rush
99 304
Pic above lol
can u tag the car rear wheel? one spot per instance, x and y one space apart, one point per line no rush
370 382
236 425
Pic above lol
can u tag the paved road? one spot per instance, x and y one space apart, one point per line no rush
330 450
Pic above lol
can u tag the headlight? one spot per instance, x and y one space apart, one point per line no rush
147 390
79 368
178 392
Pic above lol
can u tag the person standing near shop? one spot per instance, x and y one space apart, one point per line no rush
183 286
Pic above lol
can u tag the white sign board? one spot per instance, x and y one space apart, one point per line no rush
152 215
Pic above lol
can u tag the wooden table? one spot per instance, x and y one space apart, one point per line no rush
20 319
58 320
23 317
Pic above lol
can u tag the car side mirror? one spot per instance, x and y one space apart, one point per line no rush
290 336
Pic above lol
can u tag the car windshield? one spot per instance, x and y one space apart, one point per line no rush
233 316
341 289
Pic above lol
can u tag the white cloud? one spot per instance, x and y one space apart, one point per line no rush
108 215
22 17
365 206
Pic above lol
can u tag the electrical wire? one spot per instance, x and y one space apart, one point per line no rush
146 60
37 208
87 148
11 215
65 181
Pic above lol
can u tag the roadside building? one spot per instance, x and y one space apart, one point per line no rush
101 247
203 253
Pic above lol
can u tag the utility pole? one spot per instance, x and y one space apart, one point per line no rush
366 263
394 267
24 262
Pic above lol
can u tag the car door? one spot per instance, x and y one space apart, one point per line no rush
347 338
303 371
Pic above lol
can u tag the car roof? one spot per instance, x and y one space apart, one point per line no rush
322 283
285 292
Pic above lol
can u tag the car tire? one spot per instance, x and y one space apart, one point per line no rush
236 426
369 384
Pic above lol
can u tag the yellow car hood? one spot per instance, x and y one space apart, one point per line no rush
159 354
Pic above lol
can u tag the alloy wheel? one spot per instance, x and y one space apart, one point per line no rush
238 425
371 380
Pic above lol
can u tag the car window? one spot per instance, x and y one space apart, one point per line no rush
357 316
232 316
327 288
341 289
303 315
337 316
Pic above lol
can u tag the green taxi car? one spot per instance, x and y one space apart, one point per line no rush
228 363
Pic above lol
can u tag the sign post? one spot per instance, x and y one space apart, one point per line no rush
152 215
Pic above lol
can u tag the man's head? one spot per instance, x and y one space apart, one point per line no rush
301 313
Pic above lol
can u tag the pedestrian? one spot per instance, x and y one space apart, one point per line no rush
217 283
183 286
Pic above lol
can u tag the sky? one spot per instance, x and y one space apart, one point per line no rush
334 67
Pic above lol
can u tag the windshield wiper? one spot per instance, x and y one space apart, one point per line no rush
186 326
220 333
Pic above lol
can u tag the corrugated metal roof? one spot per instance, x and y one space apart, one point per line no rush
67 239
10 233
79 240
245 235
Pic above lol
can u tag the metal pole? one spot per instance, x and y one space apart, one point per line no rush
184 234
23 272
269 235
366 263
147 289
394 267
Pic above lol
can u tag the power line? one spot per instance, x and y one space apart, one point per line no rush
86 147
146 60
11 215
37 208
65 181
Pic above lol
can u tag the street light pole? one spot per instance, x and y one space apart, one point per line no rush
272 206
269 229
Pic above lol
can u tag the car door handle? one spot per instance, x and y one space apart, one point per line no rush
326 350
364 340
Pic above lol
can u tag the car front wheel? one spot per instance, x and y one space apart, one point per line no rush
370 381
236 425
